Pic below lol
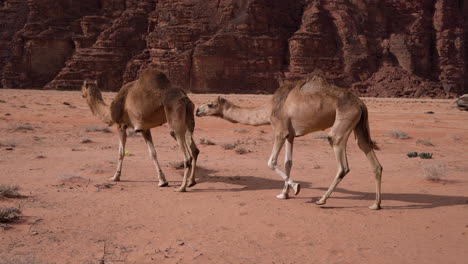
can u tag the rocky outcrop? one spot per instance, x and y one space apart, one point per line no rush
377 48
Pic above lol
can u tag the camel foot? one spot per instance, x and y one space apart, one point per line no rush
282 196
320 202
296 187
116 179
375 207
181 189
163 184
192 183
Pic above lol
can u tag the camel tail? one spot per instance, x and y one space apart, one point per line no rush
362 132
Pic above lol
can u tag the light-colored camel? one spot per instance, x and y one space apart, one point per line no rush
148 102
297 109
462 103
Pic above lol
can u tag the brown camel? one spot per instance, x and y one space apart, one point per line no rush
297 109
143 104
462 102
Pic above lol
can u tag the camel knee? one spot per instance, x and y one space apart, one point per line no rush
272 164
378 171
342 173
188 162
288 164
195 152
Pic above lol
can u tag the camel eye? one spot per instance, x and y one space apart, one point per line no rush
210 105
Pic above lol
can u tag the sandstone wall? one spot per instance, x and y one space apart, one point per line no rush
377 48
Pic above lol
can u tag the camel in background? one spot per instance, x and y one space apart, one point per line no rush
297 109
148 102
462 102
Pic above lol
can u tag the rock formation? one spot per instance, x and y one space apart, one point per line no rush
377 48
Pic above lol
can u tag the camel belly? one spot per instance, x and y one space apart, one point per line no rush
147 121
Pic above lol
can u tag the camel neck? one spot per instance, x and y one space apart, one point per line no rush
255 116
98 107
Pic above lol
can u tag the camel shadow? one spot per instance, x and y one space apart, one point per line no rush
413 200
246 183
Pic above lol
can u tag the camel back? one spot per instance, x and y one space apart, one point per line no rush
154 79
282 93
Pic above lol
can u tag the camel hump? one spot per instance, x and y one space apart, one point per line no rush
154 79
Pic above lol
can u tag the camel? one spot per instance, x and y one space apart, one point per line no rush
462 103
300 108
148 102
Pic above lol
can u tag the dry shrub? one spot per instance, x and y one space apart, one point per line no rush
425 142
206 142
9 214
227 146
399 134
8 143
98 128
434 172
10 191
22 128
72 179
86 140
240 150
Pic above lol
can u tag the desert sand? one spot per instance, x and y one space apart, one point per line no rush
231 215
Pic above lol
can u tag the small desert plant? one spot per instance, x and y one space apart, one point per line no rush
98 128
399 134
424 142
457 138
412 154
425 155
316 166
8 143
178 165
228 146
9 191
9 214
104 186
86 140
23 127
433 172
72 179
207 142
429 112
241 150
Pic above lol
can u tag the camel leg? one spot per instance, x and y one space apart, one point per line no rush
339 147
288 166
370 154
273 161
187 162
152 152
194 155
122 140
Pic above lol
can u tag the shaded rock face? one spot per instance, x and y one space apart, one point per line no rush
377 48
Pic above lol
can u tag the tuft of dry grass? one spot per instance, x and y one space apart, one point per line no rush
228 146
399 134
425 142
10 191
206 142
434 172
8 143
70 178
240 150
22 128
85 140
98 128
9 214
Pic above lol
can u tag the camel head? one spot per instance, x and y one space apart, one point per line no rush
213 108
462 103
88 88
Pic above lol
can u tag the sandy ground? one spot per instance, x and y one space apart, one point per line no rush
232 215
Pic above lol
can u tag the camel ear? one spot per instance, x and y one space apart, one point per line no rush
221 100
95 82
85 82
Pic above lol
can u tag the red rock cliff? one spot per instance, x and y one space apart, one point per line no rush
377 48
